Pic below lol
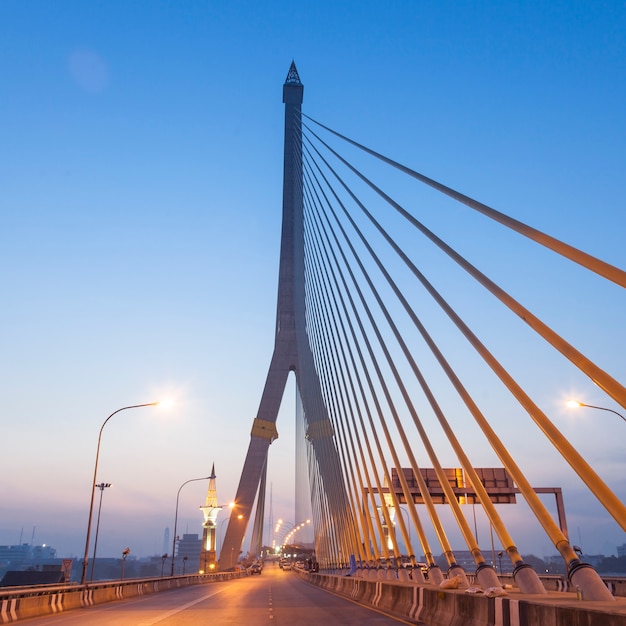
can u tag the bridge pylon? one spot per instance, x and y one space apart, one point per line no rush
292 351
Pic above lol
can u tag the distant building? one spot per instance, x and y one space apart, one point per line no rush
463 558
555 564
14 556
593 559
189 548
499 560
43 553
32 577
166 540
621 550
36 559
105 568
21 556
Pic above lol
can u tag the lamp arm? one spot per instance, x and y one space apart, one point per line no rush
176 518
93 483
603 408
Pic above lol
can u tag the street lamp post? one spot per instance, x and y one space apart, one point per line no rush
176 517
125 554
101 487
576 403
93 485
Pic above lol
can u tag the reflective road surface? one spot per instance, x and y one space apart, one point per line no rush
273 598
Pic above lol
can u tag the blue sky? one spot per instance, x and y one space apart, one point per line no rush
141 181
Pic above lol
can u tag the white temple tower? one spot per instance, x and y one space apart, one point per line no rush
210 510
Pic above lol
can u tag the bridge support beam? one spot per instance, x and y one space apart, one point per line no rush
403 575
527 579
435 575
487 577
457 570
588 583
418 576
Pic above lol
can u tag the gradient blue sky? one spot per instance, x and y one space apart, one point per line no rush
140 195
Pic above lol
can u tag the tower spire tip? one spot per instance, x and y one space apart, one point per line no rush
292 76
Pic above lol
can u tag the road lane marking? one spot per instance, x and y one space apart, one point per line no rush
184 607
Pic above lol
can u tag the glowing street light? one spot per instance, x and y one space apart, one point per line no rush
575 404
94 485
285 527
294 530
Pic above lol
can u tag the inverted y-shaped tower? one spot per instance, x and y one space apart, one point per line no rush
292 353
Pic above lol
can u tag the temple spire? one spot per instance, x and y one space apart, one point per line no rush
210 511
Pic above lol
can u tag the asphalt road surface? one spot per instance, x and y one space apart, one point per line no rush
273 598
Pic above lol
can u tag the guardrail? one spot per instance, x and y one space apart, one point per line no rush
557 582
552 582
424 603
18 603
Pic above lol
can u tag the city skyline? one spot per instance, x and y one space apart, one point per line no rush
140 227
